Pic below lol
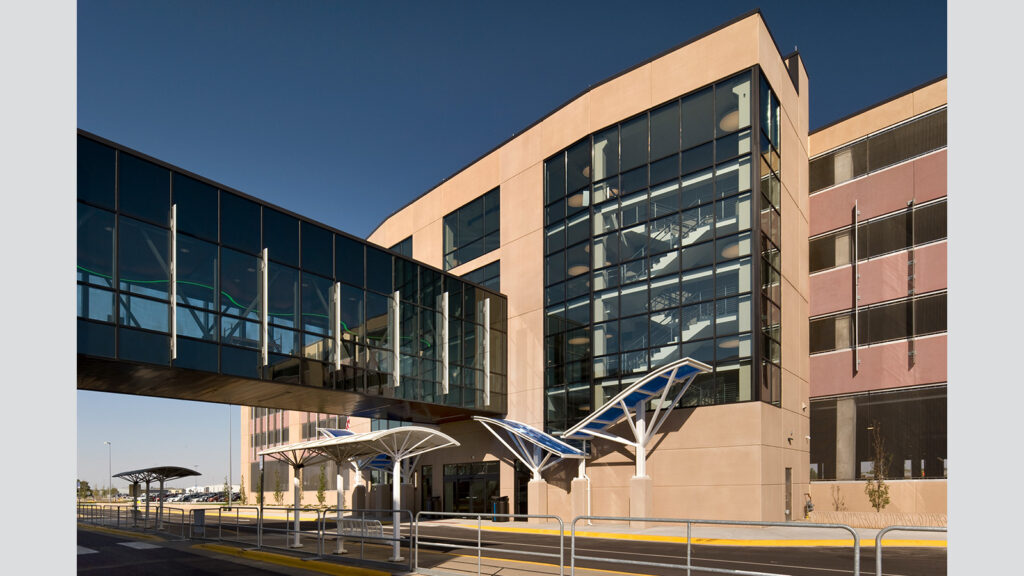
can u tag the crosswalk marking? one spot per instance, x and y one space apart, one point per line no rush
84 550
139 545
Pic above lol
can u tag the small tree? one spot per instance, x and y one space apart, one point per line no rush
259 490
84 491
321 489
227 490
278 494
838 502
241 491
876 489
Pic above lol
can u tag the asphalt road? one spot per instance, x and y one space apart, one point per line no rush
109 555
796 561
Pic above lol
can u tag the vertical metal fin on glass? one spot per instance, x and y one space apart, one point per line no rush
484 347
263 291
442 338
172 264
335 325
395 337
856 290
911 286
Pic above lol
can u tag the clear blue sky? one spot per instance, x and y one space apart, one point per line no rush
345 111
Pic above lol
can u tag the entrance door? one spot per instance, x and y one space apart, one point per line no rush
470 487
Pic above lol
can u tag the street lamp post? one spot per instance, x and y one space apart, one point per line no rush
109 477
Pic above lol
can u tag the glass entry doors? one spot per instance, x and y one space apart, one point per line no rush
470 487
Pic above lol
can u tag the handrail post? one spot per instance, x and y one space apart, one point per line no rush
479 548
689 541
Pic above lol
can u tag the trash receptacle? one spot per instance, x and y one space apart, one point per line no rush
499 505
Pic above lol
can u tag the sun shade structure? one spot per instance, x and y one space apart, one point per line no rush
397 444
631 405
159 474
535 449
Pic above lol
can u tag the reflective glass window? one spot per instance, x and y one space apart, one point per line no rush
554 178
97 166
281 237
732 177
633 333
698 158
201 324
196 269
698 118
665 130
664 293
698 321
634 299
634 209
697 285
697 188
378 270
732 104
144 189
732 214
352 325
606 153
665 169
239 284
143 313
665 327
239 223
577 166
95 304
316 303
139 346
196 206
143 254
95 339
196 355
732 315
95 246
633 143
664 234
664 199
733 145
317 252
348 260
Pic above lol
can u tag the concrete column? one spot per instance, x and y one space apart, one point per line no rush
641 500
846 439
537 498
578 495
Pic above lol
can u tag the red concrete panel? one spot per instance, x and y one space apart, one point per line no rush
831 291
930 268
882 366
877 194
883 278
930 177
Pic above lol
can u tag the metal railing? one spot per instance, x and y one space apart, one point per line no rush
366 526
886 530
689 543
292 539
417 541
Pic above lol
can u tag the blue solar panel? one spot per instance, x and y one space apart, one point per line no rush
642 391
531 434
335 433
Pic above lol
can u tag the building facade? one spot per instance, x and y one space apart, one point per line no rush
878 303
661 214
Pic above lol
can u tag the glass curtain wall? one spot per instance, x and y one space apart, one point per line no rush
124 290
648 250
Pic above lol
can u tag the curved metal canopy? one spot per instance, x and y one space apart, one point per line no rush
535 449
156 473
654 386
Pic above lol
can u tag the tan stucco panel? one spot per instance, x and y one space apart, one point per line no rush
520 153
565 126
879 117
620 98
522 206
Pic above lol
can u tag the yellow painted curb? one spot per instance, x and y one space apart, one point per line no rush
116 532
282 560
721 541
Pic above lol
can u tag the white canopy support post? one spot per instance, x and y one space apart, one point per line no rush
296 483
338 464
396 505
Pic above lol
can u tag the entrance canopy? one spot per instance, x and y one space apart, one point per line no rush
631 405
535 449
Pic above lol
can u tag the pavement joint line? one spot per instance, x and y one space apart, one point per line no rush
865 542
292 562
124 533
